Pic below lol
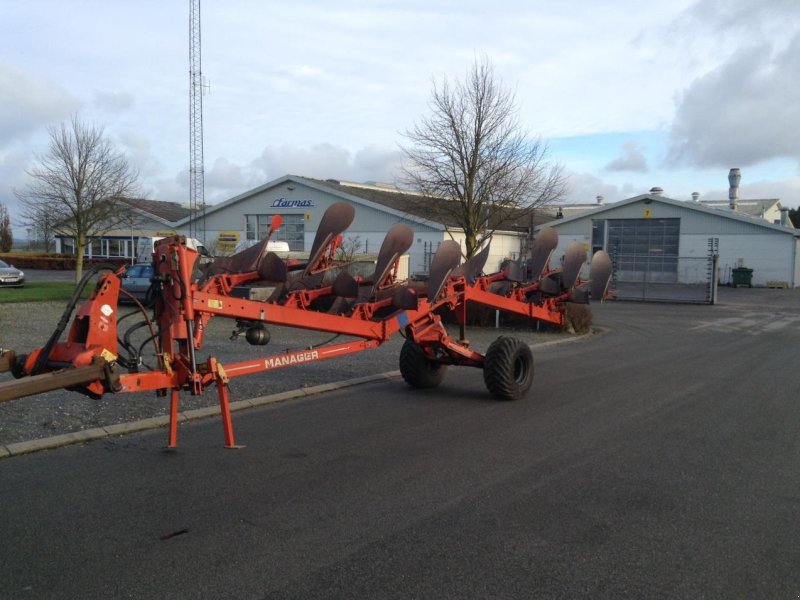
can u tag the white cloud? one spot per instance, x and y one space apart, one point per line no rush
744 112
787 191
28 103
323 161
583 188
323 89
114 102
631 159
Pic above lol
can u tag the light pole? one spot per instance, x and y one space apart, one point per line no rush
133 250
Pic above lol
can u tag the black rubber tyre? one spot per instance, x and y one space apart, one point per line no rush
417 369
508 368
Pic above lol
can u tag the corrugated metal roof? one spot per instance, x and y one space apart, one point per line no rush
165 211
754 208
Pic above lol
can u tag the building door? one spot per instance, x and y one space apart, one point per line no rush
645 248
647 265
292 229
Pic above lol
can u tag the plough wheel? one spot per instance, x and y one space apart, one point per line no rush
417 369
508 368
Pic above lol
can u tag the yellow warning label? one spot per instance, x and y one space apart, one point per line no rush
108 355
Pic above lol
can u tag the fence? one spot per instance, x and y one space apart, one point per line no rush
654 278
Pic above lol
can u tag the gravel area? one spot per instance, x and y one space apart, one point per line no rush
26 326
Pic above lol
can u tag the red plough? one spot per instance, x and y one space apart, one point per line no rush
319 295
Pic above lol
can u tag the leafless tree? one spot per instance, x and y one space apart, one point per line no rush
472 155
80 181
351 246
40 223
6 235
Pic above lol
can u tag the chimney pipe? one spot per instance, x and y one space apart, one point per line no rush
656 191
784 216
696 196
734 177
600 200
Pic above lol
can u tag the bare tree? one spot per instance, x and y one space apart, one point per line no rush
80 181
351 246
6 235
473 157
41 224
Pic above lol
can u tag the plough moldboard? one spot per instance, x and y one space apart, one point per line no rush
318 294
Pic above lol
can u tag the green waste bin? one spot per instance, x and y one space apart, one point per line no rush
742 276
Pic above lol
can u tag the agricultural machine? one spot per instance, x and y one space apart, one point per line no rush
317 294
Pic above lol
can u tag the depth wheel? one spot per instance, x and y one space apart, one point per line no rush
417 369
508 368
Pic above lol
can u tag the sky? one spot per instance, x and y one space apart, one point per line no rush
626 95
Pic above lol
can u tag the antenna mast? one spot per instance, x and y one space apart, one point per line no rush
197 203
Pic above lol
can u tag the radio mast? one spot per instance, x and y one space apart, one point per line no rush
197 203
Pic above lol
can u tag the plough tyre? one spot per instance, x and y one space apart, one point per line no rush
508 368
417 369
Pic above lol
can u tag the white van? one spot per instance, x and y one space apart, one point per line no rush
146 245
279 248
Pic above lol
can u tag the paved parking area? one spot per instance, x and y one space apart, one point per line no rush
656 460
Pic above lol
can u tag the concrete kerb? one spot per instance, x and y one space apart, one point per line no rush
87 435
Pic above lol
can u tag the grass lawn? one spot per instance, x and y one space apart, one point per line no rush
42 291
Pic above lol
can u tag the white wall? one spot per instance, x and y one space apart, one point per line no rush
503 246
772 254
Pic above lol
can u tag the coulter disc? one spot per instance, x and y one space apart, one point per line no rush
600 274
444 261
397 241
542 249
573 262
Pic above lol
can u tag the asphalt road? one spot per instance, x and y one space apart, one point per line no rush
657 460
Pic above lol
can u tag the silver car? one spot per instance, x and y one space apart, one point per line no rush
136 281
10 276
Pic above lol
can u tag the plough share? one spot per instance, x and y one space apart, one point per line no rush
318 294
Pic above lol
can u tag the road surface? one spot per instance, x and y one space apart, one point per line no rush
656 460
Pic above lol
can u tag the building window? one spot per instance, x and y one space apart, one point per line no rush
292 230
67 246
94 248
598 235
116 247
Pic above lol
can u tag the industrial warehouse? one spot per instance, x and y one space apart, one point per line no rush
659 244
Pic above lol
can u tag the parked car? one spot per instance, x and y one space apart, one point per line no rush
136 281
10 276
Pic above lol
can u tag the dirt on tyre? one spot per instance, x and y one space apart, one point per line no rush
417 369
508 368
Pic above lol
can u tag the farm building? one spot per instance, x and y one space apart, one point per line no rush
302 201
657 240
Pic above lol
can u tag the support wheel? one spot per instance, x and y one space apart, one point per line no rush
508 368
417 369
